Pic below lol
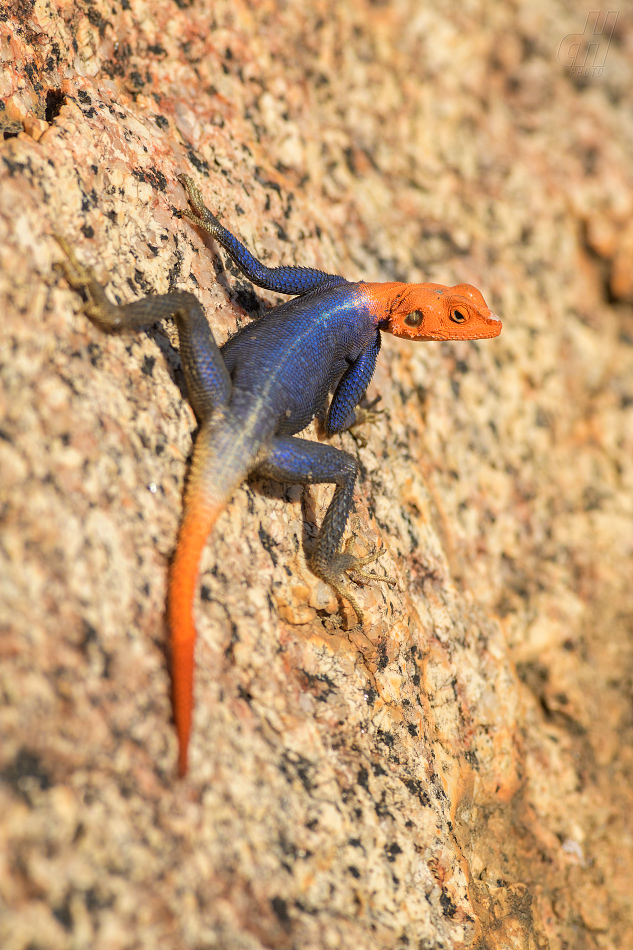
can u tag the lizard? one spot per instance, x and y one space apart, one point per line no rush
263 386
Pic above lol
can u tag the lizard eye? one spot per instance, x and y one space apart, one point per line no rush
457 316
414 319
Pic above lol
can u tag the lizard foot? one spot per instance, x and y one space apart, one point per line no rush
367 415
343 562
78 275
199 213
82 279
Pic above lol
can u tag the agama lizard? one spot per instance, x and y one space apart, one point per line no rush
265 385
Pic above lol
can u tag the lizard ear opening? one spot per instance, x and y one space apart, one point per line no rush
414 319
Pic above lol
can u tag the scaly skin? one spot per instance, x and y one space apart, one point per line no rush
264 386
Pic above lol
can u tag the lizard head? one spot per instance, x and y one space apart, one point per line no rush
436 312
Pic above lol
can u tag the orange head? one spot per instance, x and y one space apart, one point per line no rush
432 311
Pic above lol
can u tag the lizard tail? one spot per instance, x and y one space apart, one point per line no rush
215 474
196 526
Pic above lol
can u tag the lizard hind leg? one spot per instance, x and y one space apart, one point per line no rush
208 380
289 459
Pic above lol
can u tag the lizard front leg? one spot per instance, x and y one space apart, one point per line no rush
283 280
342 413
289 459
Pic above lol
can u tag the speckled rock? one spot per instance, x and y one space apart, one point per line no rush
459 773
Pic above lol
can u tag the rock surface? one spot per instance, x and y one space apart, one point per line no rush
460 772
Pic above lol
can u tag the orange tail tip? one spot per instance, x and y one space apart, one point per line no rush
194 531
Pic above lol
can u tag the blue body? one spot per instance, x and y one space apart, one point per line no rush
288 361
